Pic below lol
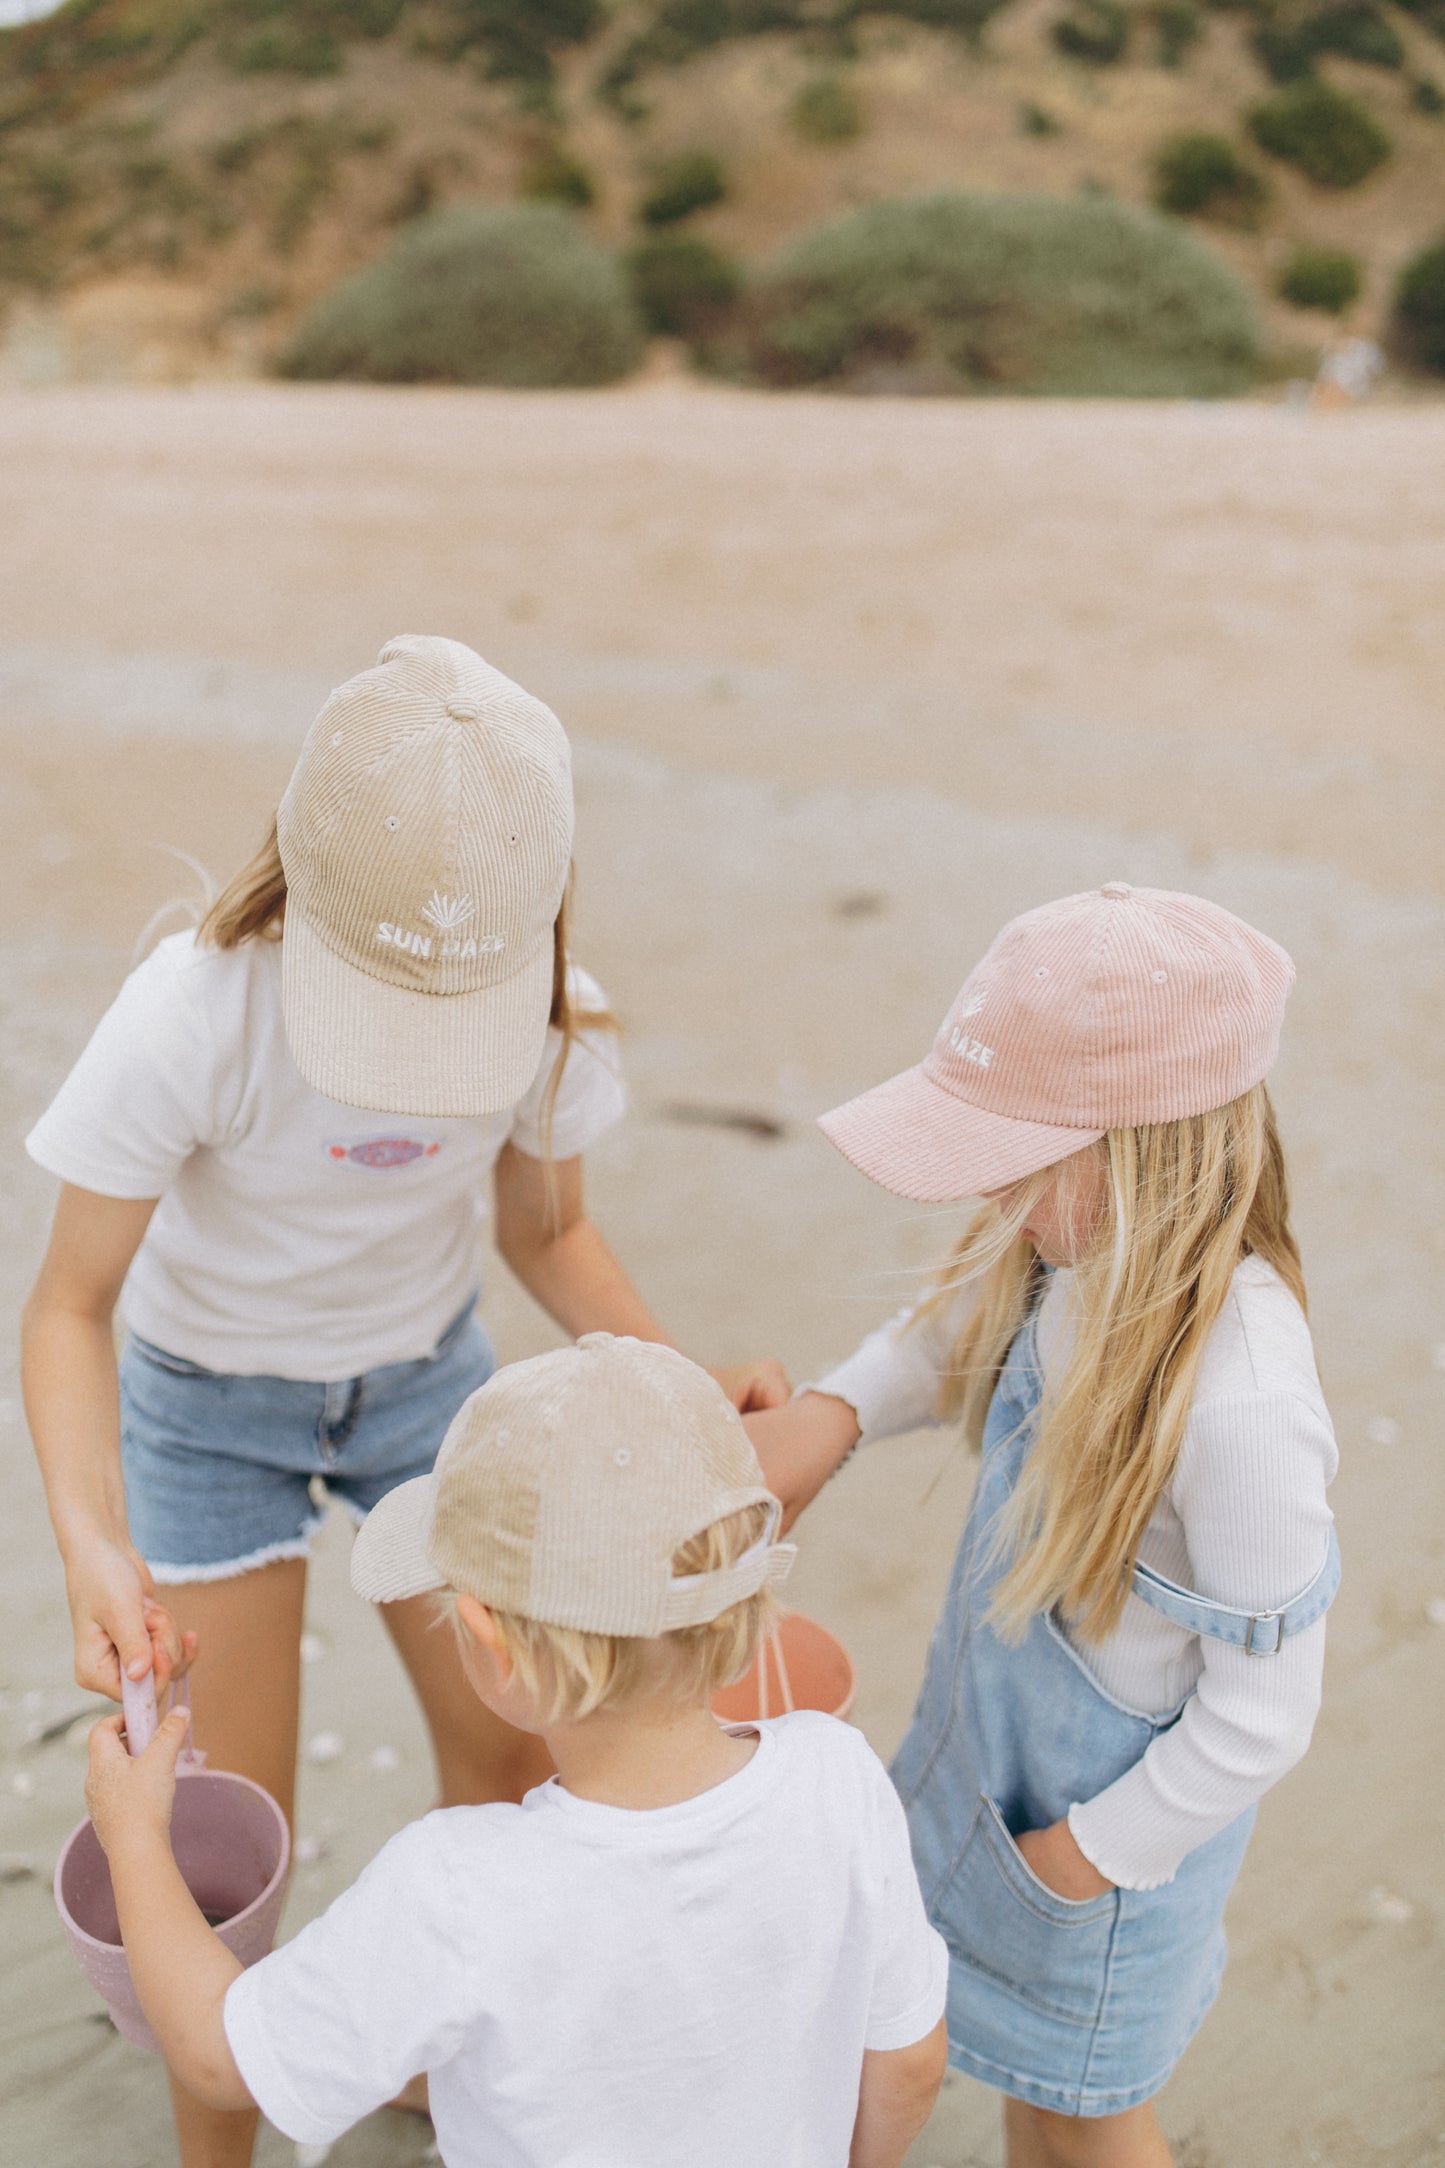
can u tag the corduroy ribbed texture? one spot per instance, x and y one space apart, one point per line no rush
563 1489
1118 1007
426 836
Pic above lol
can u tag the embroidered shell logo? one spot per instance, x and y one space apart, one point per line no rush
448 913
974 1002
385 1151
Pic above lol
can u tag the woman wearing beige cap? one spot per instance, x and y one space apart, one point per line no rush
278 1142
1131 1647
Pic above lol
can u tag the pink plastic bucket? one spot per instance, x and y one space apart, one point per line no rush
799 1666
233 1849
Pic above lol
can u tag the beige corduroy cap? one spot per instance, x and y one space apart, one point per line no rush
1107 1010
426 837
564 1487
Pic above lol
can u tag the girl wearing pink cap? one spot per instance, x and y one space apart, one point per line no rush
1131 1648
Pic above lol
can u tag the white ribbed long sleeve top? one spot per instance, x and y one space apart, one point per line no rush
1243 1521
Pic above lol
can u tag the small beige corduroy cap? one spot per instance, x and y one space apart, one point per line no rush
426 836
564 1487
1107 1010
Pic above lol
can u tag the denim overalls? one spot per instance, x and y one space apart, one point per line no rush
1083 2007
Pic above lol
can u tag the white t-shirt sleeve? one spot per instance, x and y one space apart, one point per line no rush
910 1978
591 1096
144 1093
891 1379
1250 1493
333 2024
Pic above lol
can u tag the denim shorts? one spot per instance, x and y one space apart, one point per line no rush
224 1473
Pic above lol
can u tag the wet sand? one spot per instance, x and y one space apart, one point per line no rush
850 683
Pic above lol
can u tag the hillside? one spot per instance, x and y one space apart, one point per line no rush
178 178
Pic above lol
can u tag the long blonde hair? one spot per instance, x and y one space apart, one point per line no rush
1183 1202
252 907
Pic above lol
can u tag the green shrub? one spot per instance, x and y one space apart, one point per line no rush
1355 29
679 29
1093 30
684 287
682 185
827 111
1321 278
1178 27
1286 51
1037 120
1420 306
558 177
1329 136
477 294
1427 96
1203 175
998 293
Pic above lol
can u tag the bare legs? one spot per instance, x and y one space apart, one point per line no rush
1037 2138
246 1698
478 1757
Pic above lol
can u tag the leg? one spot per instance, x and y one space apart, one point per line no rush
1037 2138
246 1695
478 1757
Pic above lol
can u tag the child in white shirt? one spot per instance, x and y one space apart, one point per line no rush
691 1945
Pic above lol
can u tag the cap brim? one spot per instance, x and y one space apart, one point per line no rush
916 1139
390 1559
396 1051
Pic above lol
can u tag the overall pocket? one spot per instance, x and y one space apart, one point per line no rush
999 1919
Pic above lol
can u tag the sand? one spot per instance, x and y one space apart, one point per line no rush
849 683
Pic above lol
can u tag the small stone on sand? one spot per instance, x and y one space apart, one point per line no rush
1385 1906
311 2156
1435 1610
327 1746
313 1648
1383 1430
383 1759
22 1784
309 1849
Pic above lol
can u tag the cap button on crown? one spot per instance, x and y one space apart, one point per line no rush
463 711
1116 889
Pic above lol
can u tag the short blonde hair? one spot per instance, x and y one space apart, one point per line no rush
572 1674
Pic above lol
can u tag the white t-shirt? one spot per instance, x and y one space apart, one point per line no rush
595 1987
295 1237
1243 1520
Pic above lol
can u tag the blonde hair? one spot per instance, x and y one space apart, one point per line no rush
572 1674
252 907
1183 1202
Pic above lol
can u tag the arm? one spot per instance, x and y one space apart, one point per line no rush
545 1237
801 1445
889 1384
1250 1493
72 1402
895 2099
180 1967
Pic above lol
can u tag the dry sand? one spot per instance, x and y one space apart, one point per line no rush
849 684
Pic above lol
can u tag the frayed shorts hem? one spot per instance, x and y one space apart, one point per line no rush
229 1569
1083 2101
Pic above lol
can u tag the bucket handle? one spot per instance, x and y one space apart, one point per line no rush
774 1643
138 1701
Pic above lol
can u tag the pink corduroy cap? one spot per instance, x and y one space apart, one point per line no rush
1102 1011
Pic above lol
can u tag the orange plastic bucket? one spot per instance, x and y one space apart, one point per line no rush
799 1666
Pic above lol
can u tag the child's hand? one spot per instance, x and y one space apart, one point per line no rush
1054 1856
801 1445
750 1386
131 1794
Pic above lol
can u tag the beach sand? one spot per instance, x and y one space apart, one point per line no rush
849 683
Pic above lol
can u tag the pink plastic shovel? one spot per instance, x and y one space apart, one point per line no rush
232 1847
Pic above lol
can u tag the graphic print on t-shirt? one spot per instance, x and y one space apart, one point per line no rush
383 1151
